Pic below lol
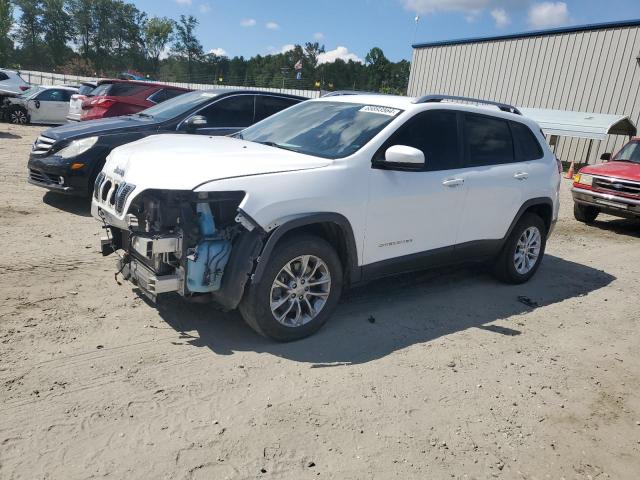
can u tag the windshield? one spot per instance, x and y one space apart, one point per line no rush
629 153
324 129
177 105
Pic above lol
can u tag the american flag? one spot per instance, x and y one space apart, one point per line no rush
298 65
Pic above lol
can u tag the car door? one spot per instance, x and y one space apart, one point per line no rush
411 212
228 115
494 178
49 106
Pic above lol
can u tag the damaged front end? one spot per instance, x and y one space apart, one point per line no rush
199 245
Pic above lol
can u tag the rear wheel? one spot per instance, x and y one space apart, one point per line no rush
585 213
299 290
18 115
522 253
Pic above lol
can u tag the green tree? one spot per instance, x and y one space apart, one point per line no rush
158 33
6 22
57 27
30 26
186 44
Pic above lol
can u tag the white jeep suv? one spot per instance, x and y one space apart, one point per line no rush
332 192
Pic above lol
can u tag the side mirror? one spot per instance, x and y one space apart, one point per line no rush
37 103
195 122
404 154
605 157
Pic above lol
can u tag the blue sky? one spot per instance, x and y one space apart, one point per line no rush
349 28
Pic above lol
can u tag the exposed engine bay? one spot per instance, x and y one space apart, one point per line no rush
183 241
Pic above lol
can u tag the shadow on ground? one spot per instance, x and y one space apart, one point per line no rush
10 136
621 226
391 314
80 206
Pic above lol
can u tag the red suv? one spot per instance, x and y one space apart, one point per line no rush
112 98
612 187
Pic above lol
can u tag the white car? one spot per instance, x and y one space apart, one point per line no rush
12 82
325 194
75 104
46 105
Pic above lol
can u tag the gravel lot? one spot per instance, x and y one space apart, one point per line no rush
452 377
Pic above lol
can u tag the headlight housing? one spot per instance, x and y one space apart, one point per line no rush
583 179
77 147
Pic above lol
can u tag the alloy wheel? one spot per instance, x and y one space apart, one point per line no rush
527 250
300 290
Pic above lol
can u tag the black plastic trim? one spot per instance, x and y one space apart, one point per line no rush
311 219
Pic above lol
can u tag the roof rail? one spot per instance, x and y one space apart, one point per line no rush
439 98
340 93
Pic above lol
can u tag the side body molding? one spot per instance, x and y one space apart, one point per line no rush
351 268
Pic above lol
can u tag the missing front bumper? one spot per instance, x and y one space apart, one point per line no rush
148 281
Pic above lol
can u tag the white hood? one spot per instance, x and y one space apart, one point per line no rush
182 162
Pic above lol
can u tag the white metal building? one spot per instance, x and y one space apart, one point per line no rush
590 68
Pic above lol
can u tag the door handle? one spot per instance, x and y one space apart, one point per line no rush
453 182
521 175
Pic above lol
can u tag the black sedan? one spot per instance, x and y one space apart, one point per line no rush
68 158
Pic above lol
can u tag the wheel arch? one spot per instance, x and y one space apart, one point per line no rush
541 206
332 227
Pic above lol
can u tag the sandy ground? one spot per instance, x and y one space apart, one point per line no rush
455 378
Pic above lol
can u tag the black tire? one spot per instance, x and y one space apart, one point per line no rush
255 306
505 267
17 115
585 213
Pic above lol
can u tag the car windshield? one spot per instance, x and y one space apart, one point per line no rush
178 105
324 129
629 153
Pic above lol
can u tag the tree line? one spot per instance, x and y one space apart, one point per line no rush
106 37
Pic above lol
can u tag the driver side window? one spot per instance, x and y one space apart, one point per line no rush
51 96
435 133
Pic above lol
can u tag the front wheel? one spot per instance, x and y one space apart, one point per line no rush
18 116
299 290
522 253
585 213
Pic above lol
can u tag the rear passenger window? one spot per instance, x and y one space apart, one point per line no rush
266 105
435 133
527 146
230 112
488 141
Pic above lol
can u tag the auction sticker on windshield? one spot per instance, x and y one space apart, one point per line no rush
391 112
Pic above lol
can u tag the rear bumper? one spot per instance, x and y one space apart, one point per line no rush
611 204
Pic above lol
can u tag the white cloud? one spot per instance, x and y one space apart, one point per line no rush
271 50
501 17
341 53
548 14
432 6
248 22
218 52
184 2
204 8
272 26
318 36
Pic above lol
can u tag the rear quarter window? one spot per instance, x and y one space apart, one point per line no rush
526 145
3 76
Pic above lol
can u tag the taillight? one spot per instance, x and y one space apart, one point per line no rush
559 164
24 88
99 102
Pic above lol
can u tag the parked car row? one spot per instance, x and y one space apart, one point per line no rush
272 204
21 103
